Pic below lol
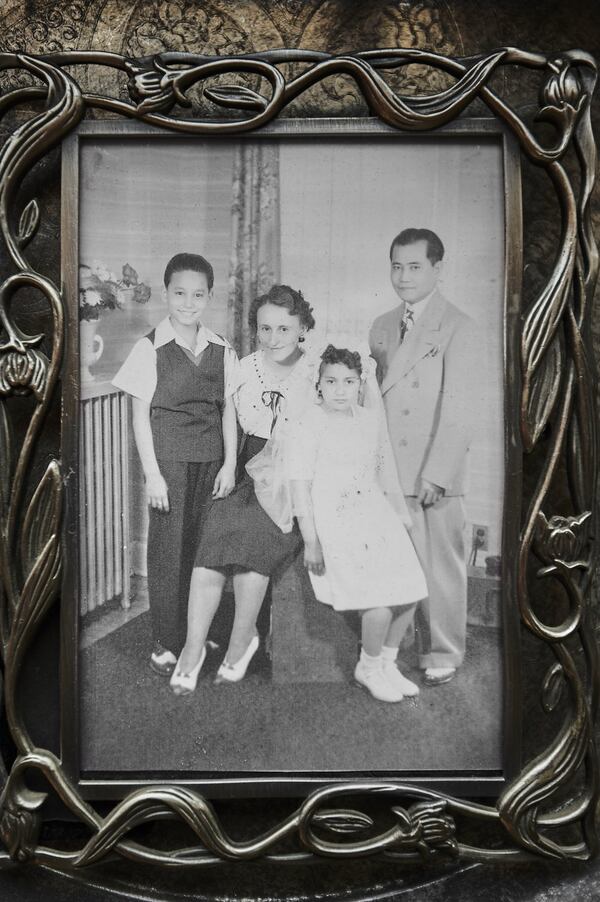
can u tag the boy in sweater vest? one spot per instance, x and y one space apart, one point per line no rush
181 378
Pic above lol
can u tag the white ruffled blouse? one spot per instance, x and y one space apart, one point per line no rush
253 399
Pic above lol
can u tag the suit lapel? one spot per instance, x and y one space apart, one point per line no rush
420 342
387 336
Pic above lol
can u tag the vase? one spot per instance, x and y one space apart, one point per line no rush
91 347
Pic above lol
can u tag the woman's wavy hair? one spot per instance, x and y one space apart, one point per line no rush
283 296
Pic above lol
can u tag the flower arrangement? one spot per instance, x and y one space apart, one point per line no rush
99 289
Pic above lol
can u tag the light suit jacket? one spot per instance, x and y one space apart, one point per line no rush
425 383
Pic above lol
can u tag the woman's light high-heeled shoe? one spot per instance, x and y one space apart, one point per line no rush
233 673
185 683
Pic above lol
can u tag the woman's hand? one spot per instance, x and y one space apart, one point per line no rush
224 481
157 492
313 557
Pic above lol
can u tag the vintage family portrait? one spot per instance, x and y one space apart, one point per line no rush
291 454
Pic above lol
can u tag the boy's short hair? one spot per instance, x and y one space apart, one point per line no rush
193 262
435 248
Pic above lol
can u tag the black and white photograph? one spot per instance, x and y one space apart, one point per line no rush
292 454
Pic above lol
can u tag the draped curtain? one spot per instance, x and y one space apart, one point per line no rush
255 236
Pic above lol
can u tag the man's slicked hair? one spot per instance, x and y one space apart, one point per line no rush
435 248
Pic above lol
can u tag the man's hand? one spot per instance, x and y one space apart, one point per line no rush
429 493
224 481
313 558
157 492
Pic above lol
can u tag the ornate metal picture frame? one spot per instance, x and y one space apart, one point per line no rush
549 808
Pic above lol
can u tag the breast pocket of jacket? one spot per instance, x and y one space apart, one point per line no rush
428 374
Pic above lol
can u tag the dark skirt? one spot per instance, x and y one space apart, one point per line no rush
238 534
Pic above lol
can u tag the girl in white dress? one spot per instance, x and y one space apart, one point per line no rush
357 548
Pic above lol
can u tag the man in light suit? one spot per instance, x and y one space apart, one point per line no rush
425 366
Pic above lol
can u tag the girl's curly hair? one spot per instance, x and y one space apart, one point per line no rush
351 359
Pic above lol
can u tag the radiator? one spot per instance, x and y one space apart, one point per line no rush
104 572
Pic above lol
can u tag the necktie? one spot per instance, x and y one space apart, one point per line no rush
406 324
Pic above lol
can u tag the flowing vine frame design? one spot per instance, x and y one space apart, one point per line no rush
538 813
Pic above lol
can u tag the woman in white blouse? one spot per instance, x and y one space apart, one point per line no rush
238 537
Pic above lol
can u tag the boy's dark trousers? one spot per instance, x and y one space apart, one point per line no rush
172 542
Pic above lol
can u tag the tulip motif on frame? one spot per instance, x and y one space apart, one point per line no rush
562 97
23 368
561 542
19 829
435 830
156 89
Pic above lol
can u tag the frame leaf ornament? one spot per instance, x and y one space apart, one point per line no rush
533 816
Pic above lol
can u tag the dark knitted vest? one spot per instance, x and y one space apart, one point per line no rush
186 410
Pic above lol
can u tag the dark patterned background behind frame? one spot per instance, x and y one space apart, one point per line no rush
500 38
446 768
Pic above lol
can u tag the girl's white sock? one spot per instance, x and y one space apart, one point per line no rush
388 653
371 662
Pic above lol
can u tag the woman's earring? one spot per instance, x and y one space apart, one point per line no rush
300 338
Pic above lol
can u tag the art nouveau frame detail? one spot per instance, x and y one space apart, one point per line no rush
550 808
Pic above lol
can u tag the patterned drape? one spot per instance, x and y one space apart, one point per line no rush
255 238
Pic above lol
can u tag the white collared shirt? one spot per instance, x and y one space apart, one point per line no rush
137 376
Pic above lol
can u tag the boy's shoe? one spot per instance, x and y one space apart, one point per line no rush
162 660
397 679
375 681
435 676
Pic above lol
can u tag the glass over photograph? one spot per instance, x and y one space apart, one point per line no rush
292 440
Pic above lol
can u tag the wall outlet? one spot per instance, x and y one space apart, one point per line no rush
480 537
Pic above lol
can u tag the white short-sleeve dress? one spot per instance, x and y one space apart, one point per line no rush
369 557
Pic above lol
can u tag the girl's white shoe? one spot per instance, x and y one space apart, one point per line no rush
233 673
375 681
396 678
185 683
